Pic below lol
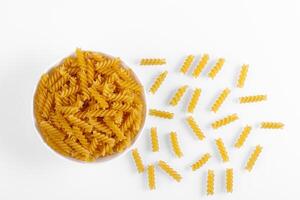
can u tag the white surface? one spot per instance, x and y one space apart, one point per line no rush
264 34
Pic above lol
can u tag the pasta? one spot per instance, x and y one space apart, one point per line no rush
224 121
187 64
194 126
158 81
253 157
243 136
194 100
229 180
178 95
210 182
253 99
242 76
154 139
138 160
89 106
201 161
222 150
175 145
151 177
161 114
169 170
200 66
216 68
220 100
153 61
271 125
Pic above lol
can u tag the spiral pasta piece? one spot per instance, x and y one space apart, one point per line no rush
195 127
253 157
229 180
158 82
243 136
224 121
175 145
200 66
154 139
178 95
153 61
204 159
220 100
138 160
216 68
194 100
271 125
151 177
222 150
161 114
210 182
169 170
242 76
253 99
187 64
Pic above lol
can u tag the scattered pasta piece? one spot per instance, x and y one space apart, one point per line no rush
195 127
169 170
194 100
216 68
200 66
175 145
242 76
220 100
153 61
253 157
158 81
201 161
210 182
222 150
243 136
187 64
178 95
161 114
154 139
271 125
138 160
229 180
224 121
151 177
253 99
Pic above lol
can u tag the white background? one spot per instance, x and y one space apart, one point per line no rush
265 34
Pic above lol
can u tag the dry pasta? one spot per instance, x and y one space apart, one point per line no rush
222 150
194 100
81 106
178 95
200 66
229 180
220 100
151 177
153 61
201 161
154 139
271 125
158 81
169 170
137 160
216 68
195 127
253 157
161 114
175 145
187 64
242 76
224 121
210 182
243 136
253 99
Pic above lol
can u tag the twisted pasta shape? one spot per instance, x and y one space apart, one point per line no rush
242 76
115 129
138 160
194 126
90 72
69 91
201 161
77 147
175 145
271 125
187 64
220 100
210 182
126 107
81 138
169 170
103 138
80 123
222 150
68 110
105 64
200 66
154 139
243 136
161 114
47 106
99 98
229 180
101 113
194 100
253 99
158 81
224 121
178 95
253 157
215 69
121 97
151 177
153 61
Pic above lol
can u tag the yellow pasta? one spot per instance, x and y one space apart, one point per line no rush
271 125
151 177
138 160
158 81
210 182
220 100
222 150
216 68
253 157
242 76
194 100
224 121
175 145
229 180
178 95
187 64
201 161
154 139
195 127
243 136
153 61
169 170
200 66
253 99
161 114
